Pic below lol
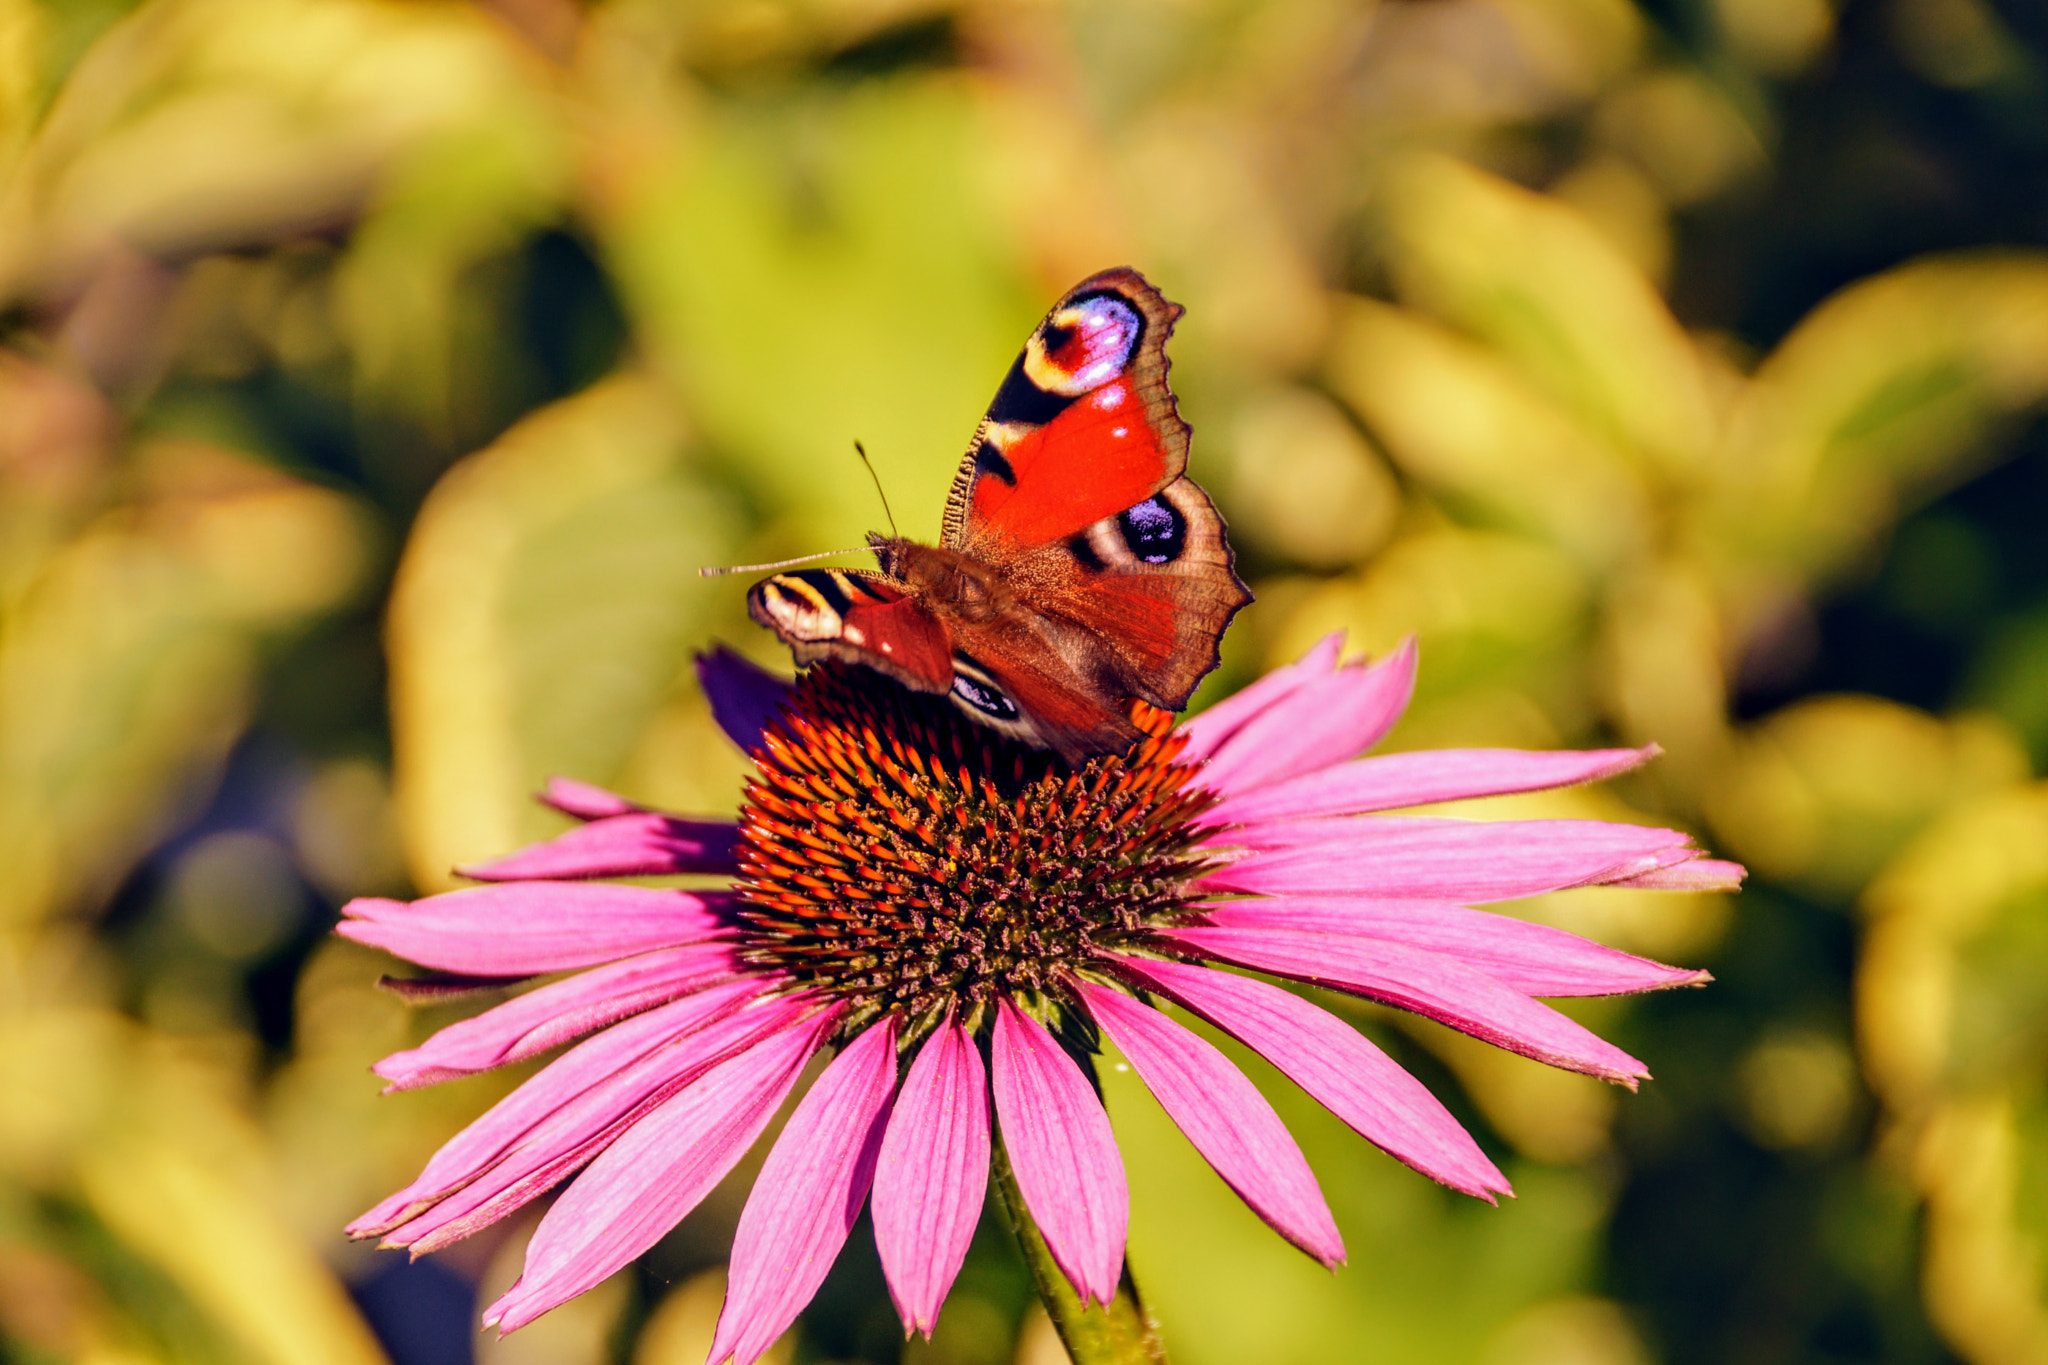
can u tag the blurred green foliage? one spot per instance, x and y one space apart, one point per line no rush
374 377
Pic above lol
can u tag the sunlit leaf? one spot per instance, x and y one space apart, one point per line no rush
1464 424
228 1252
1886 393
820 271
211 124
1823 791
1531 277
547 604
125 670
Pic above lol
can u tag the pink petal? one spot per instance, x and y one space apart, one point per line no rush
655 1173
637 844
1323 722
571 1111
1335 1064
744 696
1452 860
933 1174
439 988
523 928
1332 834
532 1023
1534 959
807 1197
583 800
1391 781
1063 1152
1697 874
1434 985
1218 723
1225 1117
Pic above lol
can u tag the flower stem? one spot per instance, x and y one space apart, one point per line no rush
1120 1332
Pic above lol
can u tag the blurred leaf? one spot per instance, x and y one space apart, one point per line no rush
1457 419
1953 1025
448 201
201 125
24 32
1662 644
546 605
1824 790
1982 1279
1684 130
681 1328
55 439
1885 393
1944 890
1531 277
820 271
125 669
1579 43
228 1252
1217 236
64 1070
1303 481
51 1310
2009 676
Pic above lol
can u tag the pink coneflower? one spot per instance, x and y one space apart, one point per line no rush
960 917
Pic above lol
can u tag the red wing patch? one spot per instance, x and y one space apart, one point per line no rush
1096 458
1083 427
860 618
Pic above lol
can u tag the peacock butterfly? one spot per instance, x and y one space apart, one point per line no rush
1078 568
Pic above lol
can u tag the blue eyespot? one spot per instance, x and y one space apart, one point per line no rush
1155 530
983 698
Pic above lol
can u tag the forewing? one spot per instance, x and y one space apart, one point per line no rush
1083 427
856 617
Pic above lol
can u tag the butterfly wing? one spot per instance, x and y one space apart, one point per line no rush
1082 427
1130 607
1079 569
1153 584
856 617
1074 491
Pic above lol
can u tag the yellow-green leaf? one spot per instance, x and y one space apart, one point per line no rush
1530 276
1456 418
546 604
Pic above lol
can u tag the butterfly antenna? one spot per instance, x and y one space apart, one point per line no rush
709 572
862 451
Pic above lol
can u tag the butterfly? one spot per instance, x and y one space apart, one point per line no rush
1078 568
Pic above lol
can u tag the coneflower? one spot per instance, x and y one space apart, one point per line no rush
962 919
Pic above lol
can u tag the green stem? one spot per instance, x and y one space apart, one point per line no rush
1120 1332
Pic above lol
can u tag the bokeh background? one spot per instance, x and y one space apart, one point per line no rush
375 377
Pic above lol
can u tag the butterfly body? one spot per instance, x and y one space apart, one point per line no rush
1078 569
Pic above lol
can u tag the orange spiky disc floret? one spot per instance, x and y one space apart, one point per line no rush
905 860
